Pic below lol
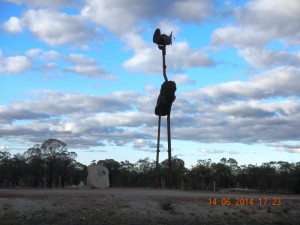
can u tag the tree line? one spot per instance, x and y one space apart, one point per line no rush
272 176
52 165
47 165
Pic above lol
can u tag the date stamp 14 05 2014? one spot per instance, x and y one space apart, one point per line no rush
240 201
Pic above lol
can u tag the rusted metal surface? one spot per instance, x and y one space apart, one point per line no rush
164 102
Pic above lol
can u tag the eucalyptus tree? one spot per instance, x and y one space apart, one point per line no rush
36 165
113 166
4 168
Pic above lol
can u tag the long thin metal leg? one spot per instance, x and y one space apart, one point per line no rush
169 150
157 152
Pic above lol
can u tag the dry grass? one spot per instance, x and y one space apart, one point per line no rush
133 206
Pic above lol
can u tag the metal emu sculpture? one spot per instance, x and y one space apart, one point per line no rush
164 101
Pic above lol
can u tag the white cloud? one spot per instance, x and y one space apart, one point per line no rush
192 10
139 143
50 66
32 53
14 64
264 108
291 147
56 28
50 55
87 120
39 3
121 17
57 103
52 63
168 26
182 56
261 21
48 63
216 151
263 58
278 82
4 148
13 25
40 54
238 37
258 109
146 145
147 58
182 79
278 18
87 67
117 16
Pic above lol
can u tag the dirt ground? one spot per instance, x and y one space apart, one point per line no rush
144 206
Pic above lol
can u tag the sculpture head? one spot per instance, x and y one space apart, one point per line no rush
162 39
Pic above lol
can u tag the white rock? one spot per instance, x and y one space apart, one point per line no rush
81 185
97 176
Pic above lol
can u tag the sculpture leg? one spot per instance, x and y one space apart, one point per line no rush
157 152
169 150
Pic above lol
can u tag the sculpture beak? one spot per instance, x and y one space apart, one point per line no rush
170 37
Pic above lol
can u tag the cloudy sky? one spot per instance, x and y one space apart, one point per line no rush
87 72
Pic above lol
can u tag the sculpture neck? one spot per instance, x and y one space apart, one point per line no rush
163 51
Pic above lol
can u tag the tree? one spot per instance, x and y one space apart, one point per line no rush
64 161
146 172
128 174
296 175
200 176
113 168
35 165
178 171
4 168
222 174
77 172
127 165
203 162
4 155
284 169
51 161
52 150
233 164
18 169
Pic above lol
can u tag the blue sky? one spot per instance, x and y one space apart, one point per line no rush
88 73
